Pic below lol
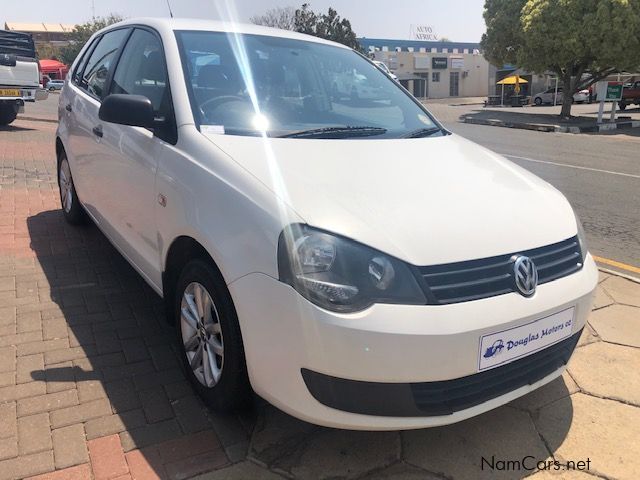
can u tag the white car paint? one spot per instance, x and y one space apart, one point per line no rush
426 201
547 96
383 66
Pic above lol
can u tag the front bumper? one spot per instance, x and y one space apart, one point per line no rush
285 334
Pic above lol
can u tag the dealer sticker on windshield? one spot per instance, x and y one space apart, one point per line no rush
504 347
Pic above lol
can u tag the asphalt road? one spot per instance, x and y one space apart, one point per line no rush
599 174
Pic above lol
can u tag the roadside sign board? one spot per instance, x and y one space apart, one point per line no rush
614 93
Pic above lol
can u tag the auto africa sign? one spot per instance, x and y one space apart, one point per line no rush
423 32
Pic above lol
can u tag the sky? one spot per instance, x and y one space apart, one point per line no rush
457 20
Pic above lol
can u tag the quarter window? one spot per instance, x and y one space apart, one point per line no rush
77 73
96 72
435 77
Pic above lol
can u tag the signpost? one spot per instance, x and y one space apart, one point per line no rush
608 92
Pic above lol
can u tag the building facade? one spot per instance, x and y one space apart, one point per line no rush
434 69
55 34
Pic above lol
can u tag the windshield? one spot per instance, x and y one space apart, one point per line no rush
249 84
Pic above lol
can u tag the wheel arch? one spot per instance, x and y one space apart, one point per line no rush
182 250
59 148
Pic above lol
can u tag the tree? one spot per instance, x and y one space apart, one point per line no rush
304 20
283 18
47 50
81 34
581 41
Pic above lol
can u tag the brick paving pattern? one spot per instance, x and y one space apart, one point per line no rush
91 387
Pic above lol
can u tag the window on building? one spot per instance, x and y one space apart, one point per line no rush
455 50
411 49
423 50
466 50
445 50
435 77
434 50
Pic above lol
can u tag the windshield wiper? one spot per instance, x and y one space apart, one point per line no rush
422 132
336 132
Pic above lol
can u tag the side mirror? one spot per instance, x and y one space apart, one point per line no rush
134 110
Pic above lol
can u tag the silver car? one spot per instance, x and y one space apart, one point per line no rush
55 85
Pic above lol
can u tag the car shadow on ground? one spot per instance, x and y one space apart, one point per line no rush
121 358
15 128
114 346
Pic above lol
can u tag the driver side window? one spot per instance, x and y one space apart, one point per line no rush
142 70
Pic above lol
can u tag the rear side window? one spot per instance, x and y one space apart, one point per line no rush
96 72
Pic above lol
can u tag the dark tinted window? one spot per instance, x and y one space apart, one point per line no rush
81 64
142 70
96 72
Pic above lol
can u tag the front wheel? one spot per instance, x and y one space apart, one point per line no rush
209 338
622 105
537 101
71 208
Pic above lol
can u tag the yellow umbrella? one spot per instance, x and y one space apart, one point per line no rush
512 80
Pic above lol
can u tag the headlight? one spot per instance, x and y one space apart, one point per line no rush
582 239
342 275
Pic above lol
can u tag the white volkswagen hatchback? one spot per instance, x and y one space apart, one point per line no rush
344 256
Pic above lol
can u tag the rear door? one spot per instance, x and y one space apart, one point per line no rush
82 101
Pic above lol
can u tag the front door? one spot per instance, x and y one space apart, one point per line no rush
135 153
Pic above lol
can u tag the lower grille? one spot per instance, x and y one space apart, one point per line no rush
488 277
444 398
432 399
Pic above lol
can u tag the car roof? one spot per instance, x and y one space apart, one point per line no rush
167 25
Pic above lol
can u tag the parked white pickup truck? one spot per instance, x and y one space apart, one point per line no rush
19 75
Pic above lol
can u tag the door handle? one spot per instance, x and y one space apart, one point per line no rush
97 131
68 108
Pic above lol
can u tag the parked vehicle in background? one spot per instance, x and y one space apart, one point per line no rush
19 75
630 95
546 97
354 262
383 66
55 85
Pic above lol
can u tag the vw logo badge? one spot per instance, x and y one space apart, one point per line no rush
526 275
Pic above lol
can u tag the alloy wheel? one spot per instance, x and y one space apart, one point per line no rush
66 185
201 334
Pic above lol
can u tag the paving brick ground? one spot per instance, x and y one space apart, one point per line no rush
90 384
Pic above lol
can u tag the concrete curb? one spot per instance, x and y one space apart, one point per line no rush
551 128
619 274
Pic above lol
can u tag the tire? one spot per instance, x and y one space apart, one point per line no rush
538 101
8 114
622 105
223 384
72 210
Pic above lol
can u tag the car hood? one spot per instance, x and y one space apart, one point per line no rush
426 201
